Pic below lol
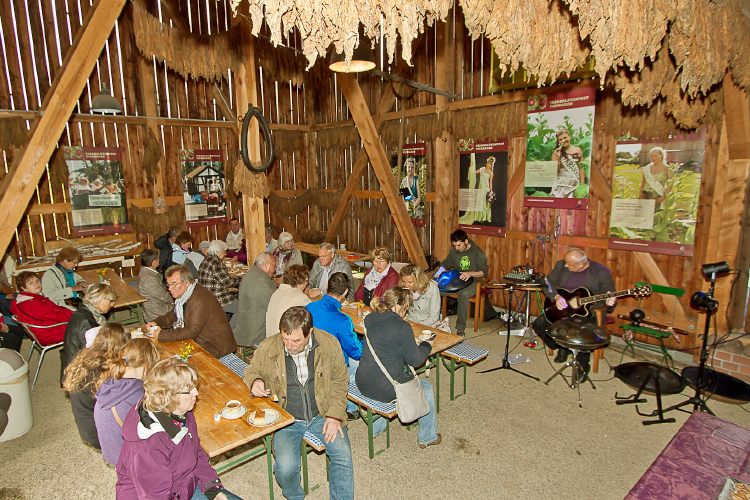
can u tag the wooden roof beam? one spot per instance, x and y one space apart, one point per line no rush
19 184
369 134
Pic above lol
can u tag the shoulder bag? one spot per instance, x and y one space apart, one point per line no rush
410 401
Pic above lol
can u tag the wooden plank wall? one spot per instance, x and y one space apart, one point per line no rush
30 71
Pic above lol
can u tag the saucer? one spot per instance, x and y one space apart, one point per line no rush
235 415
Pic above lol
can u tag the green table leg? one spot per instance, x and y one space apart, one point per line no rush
303 455
139 312
267 445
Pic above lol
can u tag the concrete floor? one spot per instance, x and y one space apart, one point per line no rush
510 437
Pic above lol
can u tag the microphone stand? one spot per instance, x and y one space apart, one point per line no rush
506 362
697 401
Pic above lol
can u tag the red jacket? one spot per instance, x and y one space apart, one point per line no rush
390 280
39 310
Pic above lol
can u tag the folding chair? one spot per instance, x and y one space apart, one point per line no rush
36 345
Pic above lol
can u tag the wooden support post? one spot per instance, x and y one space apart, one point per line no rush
386 103
61 98
737 105
148 94
369 134
311 146
247 93
445 208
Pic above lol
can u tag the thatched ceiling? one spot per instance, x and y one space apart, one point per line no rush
705 38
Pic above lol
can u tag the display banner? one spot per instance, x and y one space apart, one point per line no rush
204 187
413 183
655 190
558 149
483 186
97 193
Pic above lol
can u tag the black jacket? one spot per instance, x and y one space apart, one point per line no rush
393 341
75 340
165 252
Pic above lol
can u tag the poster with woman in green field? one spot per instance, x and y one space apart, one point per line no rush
655 190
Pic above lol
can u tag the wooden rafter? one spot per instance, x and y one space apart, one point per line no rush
369 134
28 166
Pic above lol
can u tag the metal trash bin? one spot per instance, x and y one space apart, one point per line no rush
14 389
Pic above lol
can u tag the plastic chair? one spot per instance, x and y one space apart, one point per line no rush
36 345
477 299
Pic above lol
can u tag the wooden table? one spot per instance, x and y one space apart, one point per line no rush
235 269
127 296
218 385
312 249
443 341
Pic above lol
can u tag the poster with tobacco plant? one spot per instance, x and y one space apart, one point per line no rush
558 149
655 194
483 185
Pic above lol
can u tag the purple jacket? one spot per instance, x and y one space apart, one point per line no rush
122 395
153 466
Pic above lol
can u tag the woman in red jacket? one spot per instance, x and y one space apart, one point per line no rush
380 278
33 308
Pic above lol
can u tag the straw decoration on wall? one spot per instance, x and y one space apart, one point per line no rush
146 222
490 122
289 207
338 138
187 54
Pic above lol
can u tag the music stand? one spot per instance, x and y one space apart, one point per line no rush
506 362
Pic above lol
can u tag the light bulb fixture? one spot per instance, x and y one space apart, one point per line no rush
105 103
363 59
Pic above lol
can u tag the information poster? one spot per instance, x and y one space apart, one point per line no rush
558 149
413 183
204 187
97 193
655 192
483 184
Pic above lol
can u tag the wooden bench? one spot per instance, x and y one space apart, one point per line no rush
461 356
310 442
370 411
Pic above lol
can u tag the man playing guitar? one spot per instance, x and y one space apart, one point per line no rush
575 271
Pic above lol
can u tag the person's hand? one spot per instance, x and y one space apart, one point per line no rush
235 259
233 289
221 496
10 296
155 333
4 328
314 292
330 428
611 301
464 276
431 342
560 302
150 324
258 389
80 287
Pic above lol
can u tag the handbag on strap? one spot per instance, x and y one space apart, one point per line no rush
410 401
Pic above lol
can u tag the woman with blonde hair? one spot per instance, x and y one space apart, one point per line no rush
88 370
656 183
425 308
97 302
123 389
392 340
161 454
380 278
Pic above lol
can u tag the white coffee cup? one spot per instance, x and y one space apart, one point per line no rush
232 407
342 247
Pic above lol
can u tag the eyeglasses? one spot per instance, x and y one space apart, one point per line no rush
189 390
173 284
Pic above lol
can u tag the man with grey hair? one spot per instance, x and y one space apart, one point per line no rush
574 271
329 263
256 289
197 315
213 275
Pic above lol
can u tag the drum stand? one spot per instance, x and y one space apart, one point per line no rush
506 362
574 384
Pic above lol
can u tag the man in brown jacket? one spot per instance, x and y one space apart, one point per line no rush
305 370
197 315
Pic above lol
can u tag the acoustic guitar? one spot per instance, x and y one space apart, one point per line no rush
579 301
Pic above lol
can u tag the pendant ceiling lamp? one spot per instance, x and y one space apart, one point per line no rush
363 58
105 103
